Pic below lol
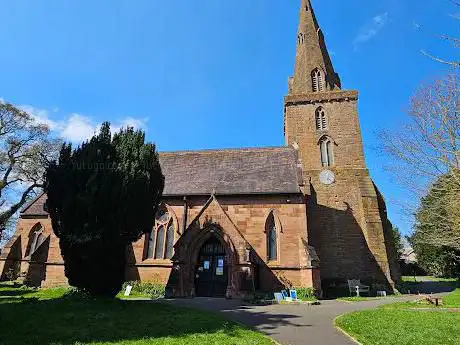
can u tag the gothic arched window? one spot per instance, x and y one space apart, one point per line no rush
317 79
160 242
36 238
272 238
320 119
327 154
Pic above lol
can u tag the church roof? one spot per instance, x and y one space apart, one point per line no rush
272 170
35 207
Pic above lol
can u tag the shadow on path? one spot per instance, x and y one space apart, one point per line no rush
290 324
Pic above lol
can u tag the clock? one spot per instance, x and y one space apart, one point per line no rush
327 177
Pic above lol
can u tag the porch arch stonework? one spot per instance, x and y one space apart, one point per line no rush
211 222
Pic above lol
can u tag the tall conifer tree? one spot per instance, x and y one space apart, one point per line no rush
102 196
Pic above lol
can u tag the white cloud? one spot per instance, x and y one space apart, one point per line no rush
130 122
2 101
371 29
40 116
77 128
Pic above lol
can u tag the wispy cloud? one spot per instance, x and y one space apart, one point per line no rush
40 116
77 127
371 29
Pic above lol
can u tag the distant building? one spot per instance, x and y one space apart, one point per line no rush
408 256
306 214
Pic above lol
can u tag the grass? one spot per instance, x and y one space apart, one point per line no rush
452 300
418 279
30 316
360 298
401 324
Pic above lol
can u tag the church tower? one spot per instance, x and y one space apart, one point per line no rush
347 221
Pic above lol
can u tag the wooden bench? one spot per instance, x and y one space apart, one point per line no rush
434 300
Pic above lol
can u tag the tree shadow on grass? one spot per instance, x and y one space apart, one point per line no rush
428 287
66 321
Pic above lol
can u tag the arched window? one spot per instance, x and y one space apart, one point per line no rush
320 119
36 238
169 242
317 79
160 242
327 154
272 238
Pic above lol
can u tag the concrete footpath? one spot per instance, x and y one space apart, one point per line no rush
290 324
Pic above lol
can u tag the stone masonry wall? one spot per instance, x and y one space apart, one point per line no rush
248 214
343 218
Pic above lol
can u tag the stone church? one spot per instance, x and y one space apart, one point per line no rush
237 220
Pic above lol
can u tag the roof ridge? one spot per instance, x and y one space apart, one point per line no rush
240 149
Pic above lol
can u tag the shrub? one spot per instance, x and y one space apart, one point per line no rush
146 289
306 294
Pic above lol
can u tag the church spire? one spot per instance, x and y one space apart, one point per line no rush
313 67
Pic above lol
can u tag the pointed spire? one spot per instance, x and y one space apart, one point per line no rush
313 67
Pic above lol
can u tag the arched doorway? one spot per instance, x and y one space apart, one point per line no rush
211 272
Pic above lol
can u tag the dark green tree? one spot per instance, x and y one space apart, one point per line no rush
102 196
396 240
436 239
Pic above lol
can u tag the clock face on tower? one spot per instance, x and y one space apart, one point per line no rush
327 177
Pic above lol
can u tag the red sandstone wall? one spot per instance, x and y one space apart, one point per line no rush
248 214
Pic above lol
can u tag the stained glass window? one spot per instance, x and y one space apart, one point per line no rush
159 244
169 242
272 240
36 238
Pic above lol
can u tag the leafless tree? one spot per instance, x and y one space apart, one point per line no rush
450 39
426 148
25 150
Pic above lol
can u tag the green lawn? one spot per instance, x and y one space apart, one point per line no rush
360 299
400 324
452 300
427 278
53 318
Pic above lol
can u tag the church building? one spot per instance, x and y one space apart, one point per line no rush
232 221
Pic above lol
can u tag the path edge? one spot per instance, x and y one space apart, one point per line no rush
343 331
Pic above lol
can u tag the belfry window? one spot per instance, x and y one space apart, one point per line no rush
317 79
327 154
321 119
159 244
272 238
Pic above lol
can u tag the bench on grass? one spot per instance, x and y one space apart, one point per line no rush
355 287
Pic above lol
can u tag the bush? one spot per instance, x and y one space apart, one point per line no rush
306 294
146 289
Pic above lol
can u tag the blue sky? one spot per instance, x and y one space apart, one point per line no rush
212 73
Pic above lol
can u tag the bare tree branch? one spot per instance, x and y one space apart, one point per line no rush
455 64
425 150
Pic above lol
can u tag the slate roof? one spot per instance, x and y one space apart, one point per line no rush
35 206
271 170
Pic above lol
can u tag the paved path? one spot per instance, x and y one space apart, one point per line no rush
290 324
